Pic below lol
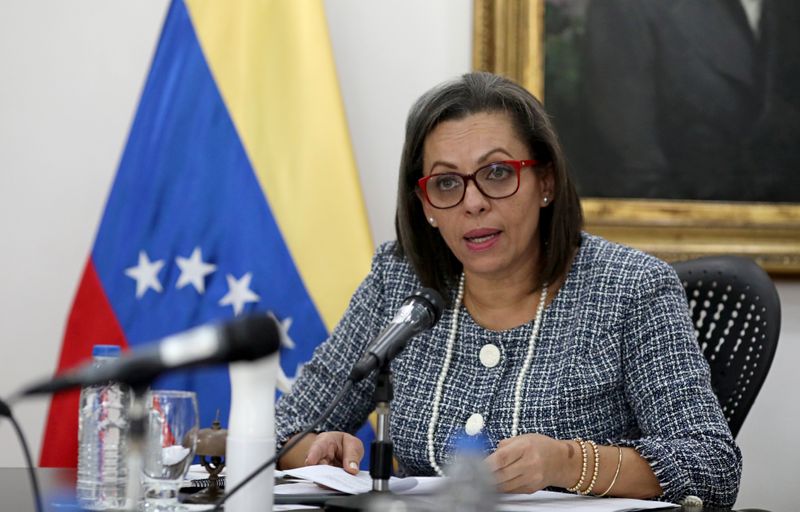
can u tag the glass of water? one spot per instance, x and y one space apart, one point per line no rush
171 428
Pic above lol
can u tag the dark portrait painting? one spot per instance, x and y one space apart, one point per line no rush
677 99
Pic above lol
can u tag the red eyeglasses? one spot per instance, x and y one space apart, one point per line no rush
496 180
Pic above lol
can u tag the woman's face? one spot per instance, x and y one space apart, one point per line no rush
495 238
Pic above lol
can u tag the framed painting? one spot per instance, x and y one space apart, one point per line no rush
683 134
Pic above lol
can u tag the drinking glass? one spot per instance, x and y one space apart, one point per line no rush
171 428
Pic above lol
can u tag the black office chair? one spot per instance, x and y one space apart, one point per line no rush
736 313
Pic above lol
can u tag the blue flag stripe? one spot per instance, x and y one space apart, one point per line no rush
185 182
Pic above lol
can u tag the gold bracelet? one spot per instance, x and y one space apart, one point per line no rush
616 473
582 444
595 471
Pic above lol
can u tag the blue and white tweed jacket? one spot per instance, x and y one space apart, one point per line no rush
615 361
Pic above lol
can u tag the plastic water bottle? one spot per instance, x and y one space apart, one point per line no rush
102 439
470 486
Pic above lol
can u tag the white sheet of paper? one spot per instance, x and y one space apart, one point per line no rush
341 480
301 488
335 478
190 507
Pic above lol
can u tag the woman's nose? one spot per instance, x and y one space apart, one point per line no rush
474 200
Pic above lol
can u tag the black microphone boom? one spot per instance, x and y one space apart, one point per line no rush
420 311
244 339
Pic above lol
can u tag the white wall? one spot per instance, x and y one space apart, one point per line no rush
387 54
71 76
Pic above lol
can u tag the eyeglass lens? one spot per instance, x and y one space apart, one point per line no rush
496 181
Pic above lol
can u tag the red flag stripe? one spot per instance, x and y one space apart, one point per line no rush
91 322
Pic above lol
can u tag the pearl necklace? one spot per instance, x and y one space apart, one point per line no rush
449 356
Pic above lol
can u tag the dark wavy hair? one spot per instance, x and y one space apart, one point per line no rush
473 93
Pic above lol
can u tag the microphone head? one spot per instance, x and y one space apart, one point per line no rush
432 301
252 337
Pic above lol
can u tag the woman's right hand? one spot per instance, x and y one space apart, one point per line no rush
336 449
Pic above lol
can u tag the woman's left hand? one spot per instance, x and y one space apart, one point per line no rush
528 463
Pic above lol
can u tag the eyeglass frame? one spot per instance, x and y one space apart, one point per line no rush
518 165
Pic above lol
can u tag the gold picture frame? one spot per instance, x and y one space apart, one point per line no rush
670 229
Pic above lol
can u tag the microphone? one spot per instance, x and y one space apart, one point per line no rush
244 339
419 312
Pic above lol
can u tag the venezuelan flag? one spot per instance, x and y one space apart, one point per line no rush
237 191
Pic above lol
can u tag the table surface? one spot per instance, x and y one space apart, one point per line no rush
58 484
57 487
58 490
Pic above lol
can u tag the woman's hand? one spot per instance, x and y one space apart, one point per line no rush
528 463
336 449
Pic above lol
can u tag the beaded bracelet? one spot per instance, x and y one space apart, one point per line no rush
616 473
585 454
595 471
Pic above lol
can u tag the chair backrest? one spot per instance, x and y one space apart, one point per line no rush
736 313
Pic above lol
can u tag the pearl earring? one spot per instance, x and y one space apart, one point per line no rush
545 201
432 221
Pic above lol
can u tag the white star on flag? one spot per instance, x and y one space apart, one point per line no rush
194 270
286 340
284 382
146 274
239 293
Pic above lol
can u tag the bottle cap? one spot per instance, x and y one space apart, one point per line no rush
477 444
106 351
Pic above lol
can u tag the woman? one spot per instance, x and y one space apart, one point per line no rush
574 356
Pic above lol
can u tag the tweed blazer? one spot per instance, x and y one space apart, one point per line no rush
615 361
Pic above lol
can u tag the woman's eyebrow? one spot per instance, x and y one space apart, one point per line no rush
483 159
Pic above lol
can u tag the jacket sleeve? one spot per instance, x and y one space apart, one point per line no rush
324 375
684 435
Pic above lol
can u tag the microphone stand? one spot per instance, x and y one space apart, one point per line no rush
381 448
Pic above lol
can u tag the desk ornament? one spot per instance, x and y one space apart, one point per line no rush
211 450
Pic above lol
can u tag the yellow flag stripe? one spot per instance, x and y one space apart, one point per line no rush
273 64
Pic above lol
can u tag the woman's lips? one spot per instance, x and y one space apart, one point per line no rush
481 239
